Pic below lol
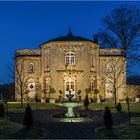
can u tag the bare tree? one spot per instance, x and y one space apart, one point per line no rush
114 74
122 30
18 74
20 79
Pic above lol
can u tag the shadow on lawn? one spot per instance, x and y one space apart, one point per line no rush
105 133
32 133
135 114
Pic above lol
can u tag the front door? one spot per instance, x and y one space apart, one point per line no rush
70 86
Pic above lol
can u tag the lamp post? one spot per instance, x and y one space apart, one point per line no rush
129 117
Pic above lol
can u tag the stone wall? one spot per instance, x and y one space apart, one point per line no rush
49 63
133 90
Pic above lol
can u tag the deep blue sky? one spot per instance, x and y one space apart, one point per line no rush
28 24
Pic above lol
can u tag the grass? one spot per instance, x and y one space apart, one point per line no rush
11 130
134 107
16 107
123 131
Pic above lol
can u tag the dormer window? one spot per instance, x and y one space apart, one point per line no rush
31 68
70 58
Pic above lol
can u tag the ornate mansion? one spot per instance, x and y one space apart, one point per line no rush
70 65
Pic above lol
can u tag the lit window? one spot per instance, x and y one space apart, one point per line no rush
70 58
72 86
93 83
31 68
67 86
92 86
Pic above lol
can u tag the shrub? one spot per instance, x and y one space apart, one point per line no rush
37 99
138 95
2 110
28 117
86 102
107 118
60 91
119 107
79 92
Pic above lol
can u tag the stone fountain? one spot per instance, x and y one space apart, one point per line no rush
70 105
70 116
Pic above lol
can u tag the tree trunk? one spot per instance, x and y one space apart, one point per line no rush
129 117
21 100
115 101
115 97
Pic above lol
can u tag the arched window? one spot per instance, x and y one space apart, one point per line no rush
31 68
70 58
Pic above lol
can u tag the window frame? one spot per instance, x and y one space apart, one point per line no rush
70 58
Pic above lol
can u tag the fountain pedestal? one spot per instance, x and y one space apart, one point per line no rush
70 112
70 106
70 115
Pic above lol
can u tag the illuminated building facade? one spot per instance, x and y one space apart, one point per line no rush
70 64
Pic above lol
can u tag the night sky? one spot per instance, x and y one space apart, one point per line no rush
28 24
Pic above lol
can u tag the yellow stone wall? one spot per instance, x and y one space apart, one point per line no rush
49 61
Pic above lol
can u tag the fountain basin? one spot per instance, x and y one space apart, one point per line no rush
70 106
70 116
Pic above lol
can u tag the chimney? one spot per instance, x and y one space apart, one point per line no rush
95 39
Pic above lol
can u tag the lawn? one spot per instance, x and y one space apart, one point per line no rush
122 131
16 107
134 107
11 130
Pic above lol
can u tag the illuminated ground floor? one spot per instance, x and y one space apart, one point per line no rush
77 85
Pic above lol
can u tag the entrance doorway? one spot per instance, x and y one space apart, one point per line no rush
69 85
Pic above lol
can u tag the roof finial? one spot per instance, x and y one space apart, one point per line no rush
69 33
